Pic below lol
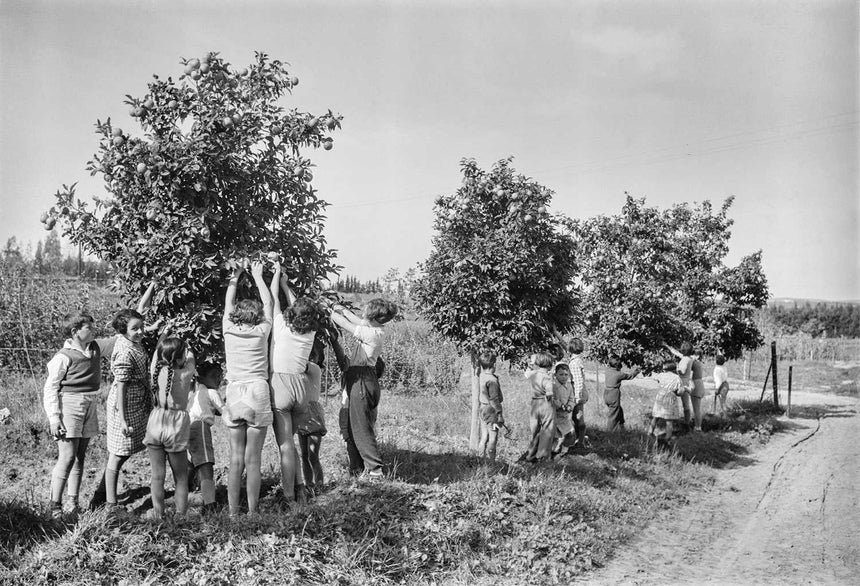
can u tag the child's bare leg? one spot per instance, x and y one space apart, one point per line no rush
66 449
114 465
73 488
492 438
283 427
179 467
156 485
485 437
253 454
307 469
206 474
238 439
697 412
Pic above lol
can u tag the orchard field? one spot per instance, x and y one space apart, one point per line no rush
441 516
216 174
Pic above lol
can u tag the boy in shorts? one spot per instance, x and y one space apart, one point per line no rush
491 405
71 395
204 405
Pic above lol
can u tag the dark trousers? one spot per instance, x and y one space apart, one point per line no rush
615 419
358 422
578 417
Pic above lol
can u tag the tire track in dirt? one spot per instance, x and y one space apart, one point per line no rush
791 517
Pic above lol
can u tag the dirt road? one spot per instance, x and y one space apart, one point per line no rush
790 517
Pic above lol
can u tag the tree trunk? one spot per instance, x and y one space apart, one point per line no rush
475 433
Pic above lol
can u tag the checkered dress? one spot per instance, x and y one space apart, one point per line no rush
129 364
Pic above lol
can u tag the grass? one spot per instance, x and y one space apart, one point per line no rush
442 515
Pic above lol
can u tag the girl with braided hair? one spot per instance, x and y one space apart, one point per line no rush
168 428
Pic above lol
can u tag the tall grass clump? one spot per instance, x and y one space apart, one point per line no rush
417 360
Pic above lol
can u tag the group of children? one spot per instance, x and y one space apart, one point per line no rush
168 405
273 375
556 416
559 394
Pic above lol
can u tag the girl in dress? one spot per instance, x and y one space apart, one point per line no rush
129 401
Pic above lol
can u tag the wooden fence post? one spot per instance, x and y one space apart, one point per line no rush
764 386
775 381
788 410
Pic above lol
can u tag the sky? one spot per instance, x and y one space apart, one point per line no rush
669 100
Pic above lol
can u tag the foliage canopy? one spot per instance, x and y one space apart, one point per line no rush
215 175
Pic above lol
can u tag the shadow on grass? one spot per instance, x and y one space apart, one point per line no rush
418 467
22 527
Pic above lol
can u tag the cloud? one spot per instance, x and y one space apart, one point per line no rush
647 52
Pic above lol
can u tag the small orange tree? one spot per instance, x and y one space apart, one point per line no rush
500 273
216 174
653 275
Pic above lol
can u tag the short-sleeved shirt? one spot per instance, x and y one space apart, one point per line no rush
290 350
369 344
247 350
721 375
666 402
200 403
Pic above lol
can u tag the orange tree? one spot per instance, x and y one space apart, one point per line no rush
215 173
652 276
499 275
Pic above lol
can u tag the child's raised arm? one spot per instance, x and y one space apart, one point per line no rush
344 318
273 289
285 285
265 296
146 298
230 297
674 352
340 355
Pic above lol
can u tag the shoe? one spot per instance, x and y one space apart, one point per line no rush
375 475
56 510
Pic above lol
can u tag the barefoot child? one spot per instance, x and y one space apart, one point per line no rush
721 383
362 392
612 393
204 404
71 395
310 424
168 427
665 410
248 409
490 399
542 413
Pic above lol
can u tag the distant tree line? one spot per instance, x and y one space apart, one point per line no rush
48 258
819 320
351 284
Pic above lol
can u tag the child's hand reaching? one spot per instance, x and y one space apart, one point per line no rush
257 269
